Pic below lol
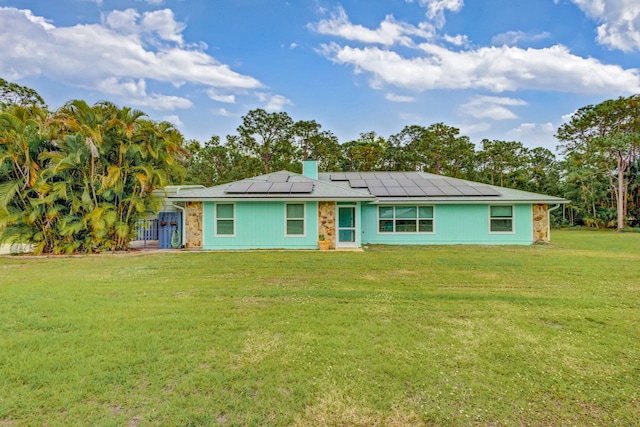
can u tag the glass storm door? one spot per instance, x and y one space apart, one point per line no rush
346 227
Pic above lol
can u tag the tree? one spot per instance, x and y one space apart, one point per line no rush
320 145
608 136
268 136
364 154
215 163
21 190
14 94
437 149
78 180
501 161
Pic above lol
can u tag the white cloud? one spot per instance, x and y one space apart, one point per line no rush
513 38
535 135
273 102
437 8
136 92
390 31
476 128
491 107
458 40
113 56
162 23
217 96
399 98
619 19
497 69
173 119
223 112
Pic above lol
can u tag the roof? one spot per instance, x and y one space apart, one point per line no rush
375 187
409 187
282 185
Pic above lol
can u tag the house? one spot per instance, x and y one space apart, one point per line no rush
351 209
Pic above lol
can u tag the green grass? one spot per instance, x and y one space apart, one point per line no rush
395 336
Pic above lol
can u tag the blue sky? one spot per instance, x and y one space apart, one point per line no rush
496 69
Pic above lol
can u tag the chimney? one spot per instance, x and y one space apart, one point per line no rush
310 168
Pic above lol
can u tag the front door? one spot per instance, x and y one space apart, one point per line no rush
346 227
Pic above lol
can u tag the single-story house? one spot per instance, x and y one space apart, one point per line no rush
350 209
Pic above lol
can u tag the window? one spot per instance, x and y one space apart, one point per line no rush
405 219
225 220
294 213
501 219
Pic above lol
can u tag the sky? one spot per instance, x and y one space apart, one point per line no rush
511 70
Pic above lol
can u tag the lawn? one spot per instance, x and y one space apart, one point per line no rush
393 336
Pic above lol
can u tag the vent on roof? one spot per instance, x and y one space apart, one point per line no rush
411 184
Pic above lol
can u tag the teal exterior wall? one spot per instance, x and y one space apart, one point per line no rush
259 225
453 224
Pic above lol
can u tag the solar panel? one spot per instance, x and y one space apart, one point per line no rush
487 191
451 191
379 191
382 175
412 175
354 175
367 175
281 187
432 191
469 190
357 183
374 183
411 184
259 187
396 192
278 178
302 187
238 187
413 191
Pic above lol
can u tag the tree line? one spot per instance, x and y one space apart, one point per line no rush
598 171
78 178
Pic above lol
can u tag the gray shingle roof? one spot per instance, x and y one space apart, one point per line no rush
400 187
377 187
277 186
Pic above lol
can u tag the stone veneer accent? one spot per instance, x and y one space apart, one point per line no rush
541 224
194 225
327 221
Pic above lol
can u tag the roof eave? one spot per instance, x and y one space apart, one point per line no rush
443 200
272 199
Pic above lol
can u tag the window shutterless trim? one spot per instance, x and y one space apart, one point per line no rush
216 219
394 219
303 219
512 218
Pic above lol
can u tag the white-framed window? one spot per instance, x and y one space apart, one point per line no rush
225 222
501 219
405 219
294 217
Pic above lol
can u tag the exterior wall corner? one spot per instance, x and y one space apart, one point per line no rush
327 221
194 225
541 223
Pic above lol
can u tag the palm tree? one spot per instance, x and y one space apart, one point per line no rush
77 181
